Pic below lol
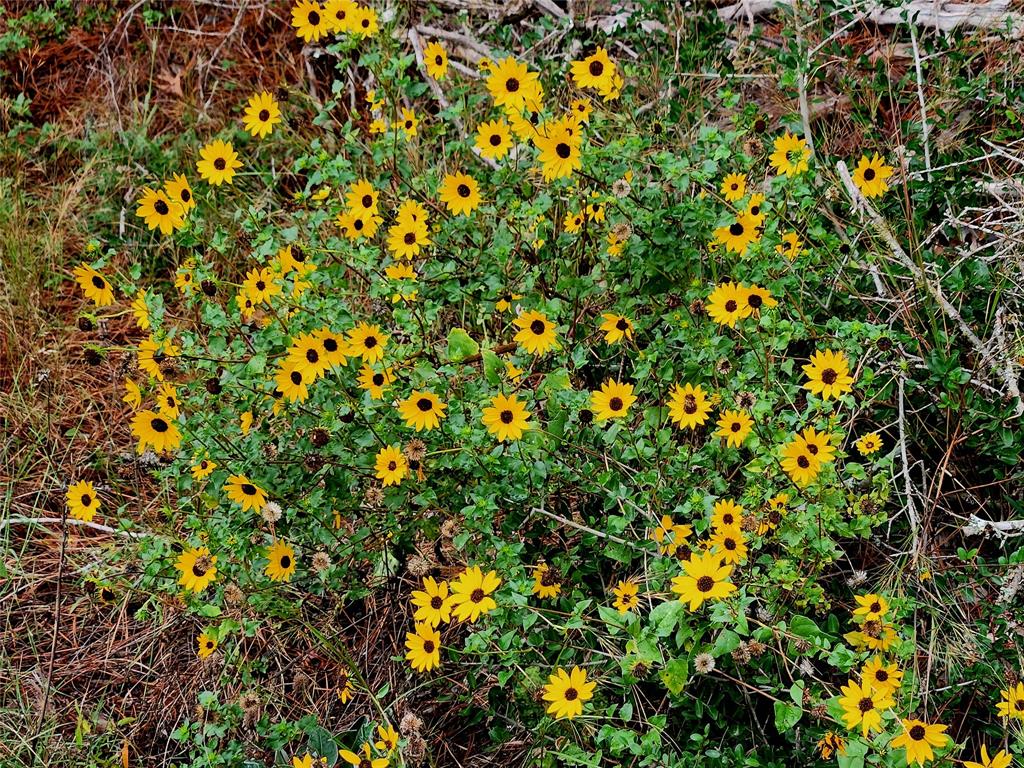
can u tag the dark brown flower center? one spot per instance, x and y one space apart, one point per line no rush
286 562
378 379
881 675
538 327
370 342
367 201
495 140
728 518
99 282
705 584
512 85
439 60
220 163
549 578
506 417
735 426
331 345
477 595
731 306
596 68
410 238
425 404
615 403
571 694
436 602
261 285
428 646
829 376
869 174
185 195
296 378
866 704
312 355
264 115
803 462
755 300
314 18
392 466
86 500
563 150
161 207
735 229
159 425
463 190
729 544
248 489
917 733
622 325
690 404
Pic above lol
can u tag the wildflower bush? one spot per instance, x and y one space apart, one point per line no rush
588 398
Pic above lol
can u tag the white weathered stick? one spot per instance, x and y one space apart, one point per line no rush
72 521
1002 370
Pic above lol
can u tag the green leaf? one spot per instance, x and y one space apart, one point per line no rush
322 743
786 716
461 345
492 367
675 675
665 616
726 642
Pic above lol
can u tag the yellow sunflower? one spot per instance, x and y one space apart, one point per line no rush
616 327
863 705
433 603
1001 759
828 375
688 406
133 395
435 60
365 22
627 596
407 237
734 186
261 115
612 401
424 646
493 139
218 163
506 418
596 71
790 155
734 427
409 123
729 544
1012 702
737 236
362 197
460 193
179 191
375 382
159 210
83 501
341 15
872 176
206 644
241 490
566 692
559 145
366 341
869 444
728 303
799 463
310 20
422 410
202 469
546 583
536 333
391 465
198 569
726 514
512 85
156 430
260 285
94 285
281 562
471 594
920 740
671 537
293 382
704 578
791 246
881 675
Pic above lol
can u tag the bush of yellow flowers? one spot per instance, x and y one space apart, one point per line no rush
583 396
